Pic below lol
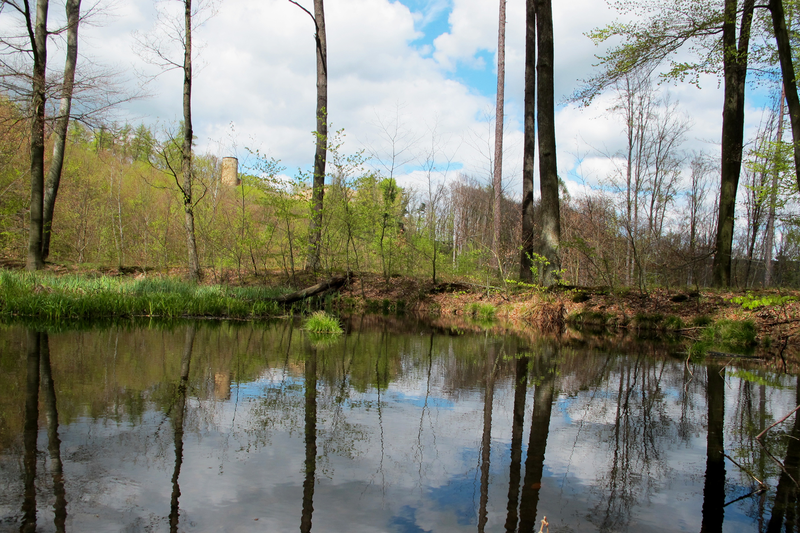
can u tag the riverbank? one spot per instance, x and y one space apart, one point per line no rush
71 293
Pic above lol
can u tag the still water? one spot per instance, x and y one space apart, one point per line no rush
394 427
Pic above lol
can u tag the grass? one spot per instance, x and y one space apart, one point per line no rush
321 322
481 311
730 336
71 297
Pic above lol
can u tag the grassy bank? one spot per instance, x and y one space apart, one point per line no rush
69 297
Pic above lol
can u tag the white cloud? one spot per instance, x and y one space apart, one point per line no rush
258 74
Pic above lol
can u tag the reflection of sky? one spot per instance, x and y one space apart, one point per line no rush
388 465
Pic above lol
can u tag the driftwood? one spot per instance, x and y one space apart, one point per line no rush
333 283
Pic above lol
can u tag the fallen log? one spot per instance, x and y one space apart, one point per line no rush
333 283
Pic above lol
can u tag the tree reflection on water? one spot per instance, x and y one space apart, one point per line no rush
216 426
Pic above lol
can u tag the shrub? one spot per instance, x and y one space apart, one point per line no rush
322 322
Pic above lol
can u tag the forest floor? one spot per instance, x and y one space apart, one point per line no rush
775 312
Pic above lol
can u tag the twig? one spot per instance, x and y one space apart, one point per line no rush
746 471
793 411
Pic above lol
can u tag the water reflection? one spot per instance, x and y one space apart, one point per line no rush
310 416
208 427
39 376
785 509
714 485
544 373
178 413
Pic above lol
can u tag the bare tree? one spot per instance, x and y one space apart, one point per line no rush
320 155
38 41
73 8
529 144
546 129
158 48
497 174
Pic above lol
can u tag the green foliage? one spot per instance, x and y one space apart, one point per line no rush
752 301
321 322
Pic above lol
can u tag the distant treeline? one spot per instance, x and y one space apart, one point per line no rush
119 205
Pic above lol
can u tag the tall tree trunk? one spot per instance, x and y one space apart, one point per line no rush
73 8
186 148
789 80
529 143
773 198
497 178
320 156
548 171
38 39
735 72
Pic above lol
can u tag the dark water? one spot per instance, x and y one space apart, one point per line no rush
393 427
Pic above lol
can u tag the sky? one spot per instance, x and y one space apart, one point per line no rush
413 77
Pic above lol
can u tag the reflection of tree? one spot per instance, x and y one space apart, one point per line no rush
310 439
38 363
544 377
640 423
179 411
53 442
714 486
486 440
520 391
31 430
785 509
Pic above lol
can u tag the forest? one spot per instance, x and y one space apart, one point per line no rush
133 196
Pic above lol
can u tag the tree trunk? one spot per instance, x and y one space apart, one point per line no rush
73 8
789 80
548 171
186 148
735 71
318 187
497 181
529 144
38 38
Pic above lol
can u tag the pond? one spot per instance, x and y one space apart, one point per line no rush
396 426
